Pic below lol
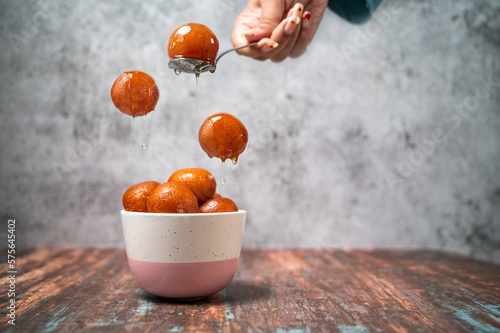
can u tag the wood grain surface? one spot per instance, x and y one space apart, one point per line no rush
72 290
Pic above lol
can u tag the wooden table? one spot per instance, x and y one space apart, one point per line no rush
70 290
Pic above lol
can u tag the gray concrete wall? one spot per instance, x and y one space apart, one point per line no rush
382 135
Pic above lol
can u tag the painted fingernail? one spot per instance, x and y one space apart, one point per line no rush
306 19
298 7
291 24
269 46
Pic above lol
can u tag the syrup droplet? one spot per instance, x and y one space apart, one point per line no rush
234 159
197 74
144 145
223 174
212 70
177 71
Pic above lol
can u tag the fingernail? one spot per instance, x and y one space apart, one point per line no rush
269 46
298 7
306 19
291 24
247 33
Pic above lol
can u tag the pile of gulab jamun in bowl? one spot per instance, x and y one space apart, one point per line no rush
183 239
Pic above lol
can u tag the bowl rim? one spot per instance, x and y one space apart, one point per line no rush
123 211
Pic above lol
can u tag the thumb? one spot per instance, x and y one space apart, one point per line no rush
272 12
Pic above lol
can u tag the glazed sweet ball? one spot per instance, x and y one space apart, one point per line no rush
135 93
172 197
219 205
201 182
136 197
224 136
194 41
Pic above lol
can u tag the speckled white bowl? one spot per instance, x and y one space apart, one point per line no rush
184 256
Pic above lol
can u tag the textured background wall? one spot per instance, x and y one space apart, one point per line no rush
383 135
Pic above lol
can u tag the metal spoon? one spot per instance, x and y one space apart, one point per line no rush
193 66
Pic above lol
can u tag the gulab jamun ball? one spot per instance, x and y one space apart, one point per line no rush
135 93
219 205
224 136
201 182
193 41
172 197
136 197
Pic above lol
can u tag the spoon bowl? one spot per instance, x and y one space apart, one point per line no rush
194 66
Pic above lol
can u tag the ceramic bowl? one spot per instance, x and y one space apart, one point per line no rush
183 256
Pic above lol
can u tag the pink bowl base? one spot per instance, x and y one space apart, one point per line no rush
183 280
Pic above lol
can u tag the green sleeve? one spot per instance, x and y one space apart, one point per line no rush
355 11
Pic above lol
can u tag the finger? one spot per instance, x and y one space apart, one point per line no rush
269 47
285 34
305 37
239 39
308 29
306 20
247 20
259 51
283 52
293 17
270 17
266 47
291 28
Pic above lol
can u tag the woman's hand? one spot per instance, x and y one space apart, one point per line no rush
282 28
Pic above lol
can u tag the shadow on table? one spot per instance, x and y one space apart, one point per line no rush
244 291
237 292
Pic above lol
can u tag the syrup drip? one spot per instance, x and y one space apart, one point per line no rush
139 134
133 133
145 132
177 71
133 138
223 174
197 74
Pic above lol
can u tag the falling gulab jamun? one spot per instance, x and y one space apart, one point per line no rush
224 136
135 93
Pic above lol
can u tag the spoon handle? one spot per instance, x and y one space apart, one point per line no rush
230 50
